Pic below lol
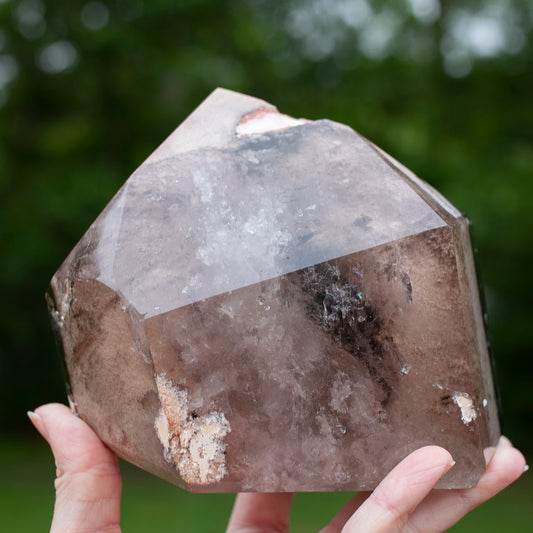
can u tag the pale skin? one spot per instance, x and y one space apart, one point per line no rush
88 488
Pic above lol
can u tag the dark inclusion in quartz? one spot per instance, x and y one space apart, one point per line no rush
271 304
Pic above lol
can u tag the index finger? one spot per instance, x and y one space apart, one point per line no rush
261 513
443 508
387 509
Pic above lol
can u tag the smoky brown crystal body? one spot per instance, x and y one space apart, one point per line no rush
271 304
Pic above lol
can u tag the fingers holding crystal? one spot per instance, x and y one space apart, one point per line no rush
388 508
88 484
443 508
261 513
346 512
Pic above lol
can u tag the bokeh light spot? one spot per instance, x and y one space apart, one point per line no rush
57 57
30 19
8 69
95 15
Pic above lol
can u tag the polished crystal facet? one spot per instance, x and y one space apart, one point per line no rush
272 304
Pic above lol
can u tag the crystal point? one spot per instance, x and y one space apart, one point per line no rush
275 304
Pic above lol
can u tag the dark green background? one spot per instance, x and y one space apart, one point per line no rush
448 96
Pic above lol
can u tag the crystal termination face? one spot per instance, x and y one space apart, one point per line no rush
273 304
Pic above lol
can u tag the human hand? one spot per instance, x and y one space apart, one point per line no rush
404 502
88 488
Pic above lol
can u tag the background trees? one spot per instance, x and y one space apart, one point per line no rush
89 89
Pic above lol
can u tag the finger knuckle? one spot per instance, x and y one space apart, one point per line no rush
397 516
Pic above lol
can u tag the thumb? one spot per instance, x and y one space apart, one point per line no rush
88 483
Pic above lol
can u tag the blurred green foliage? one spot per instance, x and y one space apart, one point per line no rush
89 89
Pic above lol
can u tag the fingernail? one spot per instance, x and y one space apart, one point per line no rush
452 463
526 468
37 421
488 453
505 441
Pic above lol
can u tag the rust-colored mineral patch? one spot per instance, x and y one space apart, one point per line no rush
194 444
266 119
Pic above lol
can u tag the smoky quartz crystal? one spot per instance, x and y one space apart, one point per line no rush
273 304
